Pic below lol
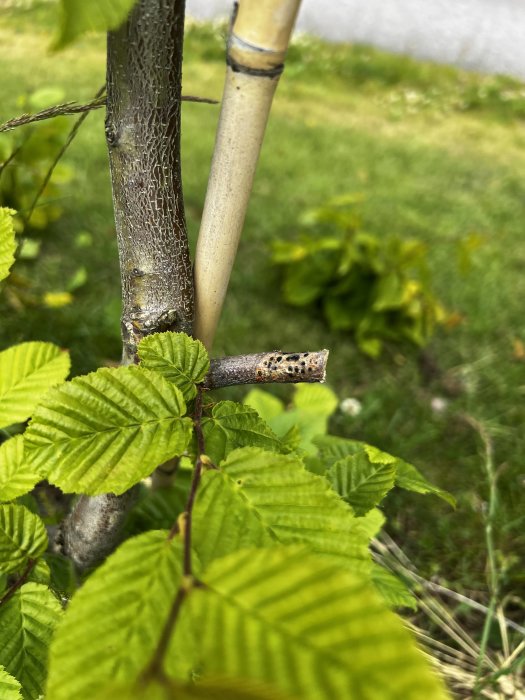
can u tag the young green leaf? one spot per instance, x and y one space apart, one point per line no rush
27 371
158 509
63 577
104 432
176 356
392 590
7 241
267 405
411 479
16 477
23 536
233 425
333 448
312 406
112 625
260 498
81 16
360 482
40 573
27 622
372 522
298 621
9 686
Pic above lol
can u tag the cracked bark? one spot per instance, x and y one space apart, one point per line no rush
144 78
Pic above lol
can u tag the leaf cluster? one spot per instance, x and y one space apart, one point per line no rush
376 287
263 586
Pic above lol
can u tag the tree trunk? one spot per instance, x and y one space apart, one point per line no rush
144 78
144 75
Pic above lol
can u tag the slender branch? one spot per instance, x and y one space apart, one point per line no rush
267 368
155 667
70 108
18 583
197 473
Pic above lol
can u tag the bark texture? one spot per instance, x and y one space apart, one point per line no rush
144 74
144 78
267 368
93 528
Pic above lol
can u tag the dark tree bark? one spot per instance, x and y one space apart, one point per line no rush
144 77
144 80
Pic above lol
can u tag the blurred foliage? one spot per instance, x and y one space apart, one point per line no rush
26 155
375 286
407 85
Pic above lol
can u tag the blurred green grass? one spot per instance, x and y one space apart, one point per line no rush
437 153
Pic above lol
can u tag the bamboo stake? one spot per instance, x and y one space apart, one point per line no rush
256 51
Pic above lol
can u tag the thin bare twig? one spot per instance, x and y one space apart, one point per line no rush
63 149
267 368
69 108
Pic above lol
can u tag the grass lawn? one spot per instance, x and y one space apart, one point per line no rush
438 155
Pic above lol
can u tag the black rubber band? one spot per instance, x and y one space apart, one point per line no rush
260 72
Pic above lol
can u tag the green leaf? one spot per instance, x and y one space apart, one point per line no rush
208 690
104 432
27 623
27 371
233 425
81 16
267 405
158 509
113 623
260 498
62 573
40 573
176 356
7 241
372 522
298 621
23 536
9 686
360 482
16 477
392 590
409 478
313 404
333 448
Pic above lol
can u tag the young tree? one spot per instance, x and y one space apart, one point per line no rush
262 585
